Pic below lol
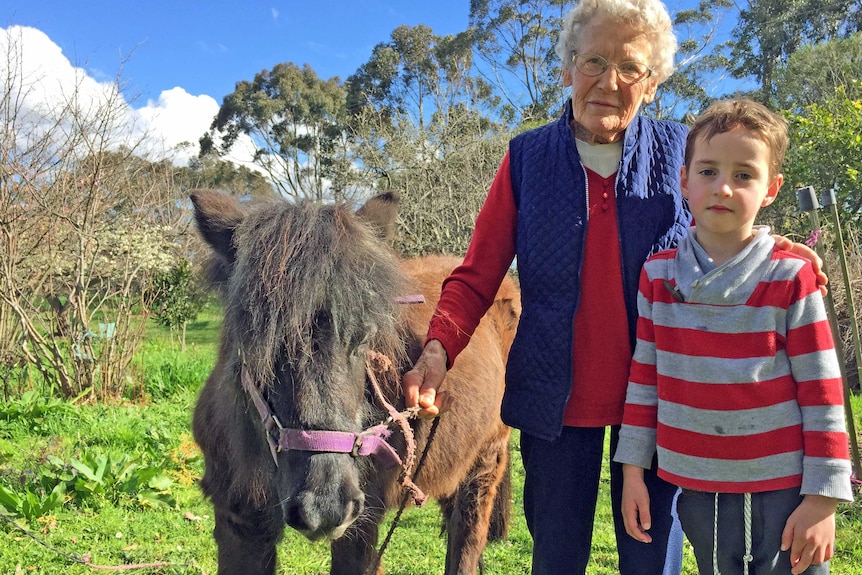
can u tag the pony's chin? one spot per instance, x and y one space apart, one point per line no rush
336 533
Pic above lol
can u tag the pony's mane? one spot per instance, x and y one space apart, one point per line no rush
295 262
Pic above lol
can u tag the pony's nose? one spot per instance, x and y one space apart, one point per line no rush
317 516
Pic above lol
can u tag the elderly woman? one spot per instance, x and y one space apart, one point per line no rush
582 202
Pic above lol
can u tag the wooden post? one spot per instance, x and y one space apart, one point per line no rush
828 200
807 201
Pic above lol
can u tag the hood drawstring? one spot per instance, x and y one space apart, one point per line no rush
747 558
715 570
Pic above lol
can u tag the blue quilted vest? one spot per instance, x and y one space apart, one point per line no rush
549 185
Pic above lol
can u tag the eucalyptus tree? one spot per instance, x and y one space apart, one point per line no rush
294 122
700 66
815 71
515 41
420 124
769 31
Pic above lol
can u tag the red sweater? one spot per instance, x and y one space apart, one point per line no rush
601 349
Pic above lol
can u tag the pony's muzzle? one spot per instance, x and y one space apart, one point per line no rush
329 501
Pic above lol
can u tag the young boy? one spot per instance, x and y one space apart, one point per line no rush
735 381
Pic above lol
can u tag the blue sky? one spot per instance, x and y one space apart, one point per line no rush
180 58
206 46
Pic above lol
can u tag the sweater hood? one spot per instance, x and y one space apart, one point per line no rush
731 283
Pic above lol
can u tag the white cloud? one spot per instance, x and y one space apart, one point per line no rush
48 81
177 118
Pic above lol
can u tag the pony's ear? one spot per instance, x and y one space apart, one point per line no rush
380 211
217 216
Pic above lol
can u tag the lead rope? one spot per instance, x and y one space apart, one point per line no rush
85 558
379 362
406 497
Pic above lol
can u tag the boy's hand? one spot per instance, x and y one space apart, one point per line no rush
635 504
810 532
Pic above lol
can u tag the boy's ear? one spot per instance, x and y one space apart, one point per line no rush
772 190
683 181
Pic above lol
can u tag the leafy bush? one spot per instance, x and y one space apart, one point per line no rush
31 503
178 297
31 406
91 481
115 477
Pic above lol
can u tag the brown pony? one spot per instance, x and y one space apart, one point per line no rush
310 294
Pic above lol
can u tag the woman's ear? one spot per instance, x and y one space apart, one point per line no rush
567 76
650 91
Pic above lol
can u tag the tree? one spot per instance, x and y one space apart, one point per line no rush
815 71
769 31
295 122
178 298
210 171
516 41
420 125
826 150
699 62
78 236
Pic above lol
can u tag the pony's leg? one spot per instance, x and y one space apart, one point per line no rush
356 551
467 513
501 513
246 544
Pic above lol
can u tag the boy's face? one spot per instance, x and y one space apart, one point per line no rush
727 182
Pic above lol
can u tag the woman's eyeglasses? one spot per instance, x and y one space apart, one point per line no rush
627 72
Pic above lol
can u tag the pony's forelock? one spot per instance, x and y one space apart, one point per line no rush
295 261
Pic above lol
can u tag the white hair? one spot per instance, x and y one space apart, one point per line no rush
649 16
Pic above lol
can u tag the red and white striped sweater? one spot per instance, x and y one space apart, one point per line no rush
735 381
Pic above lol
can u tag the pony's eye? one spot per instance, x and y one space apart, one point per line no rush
321 329
360 341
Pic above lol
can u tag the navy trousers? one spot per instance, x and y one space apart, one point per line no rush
769 513
560 491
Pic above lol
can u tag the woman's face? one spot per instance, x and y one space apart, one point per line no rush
603 105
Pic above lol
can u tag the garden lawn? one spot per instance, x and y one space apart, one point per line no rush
130 494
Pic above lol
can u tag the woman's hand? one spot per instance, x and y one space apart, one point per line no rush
809 254
422 383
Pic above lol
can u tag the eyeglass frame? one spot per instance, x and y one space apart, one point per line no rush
608 64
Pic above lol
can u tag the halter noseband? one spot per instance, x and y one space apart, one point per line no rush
370 441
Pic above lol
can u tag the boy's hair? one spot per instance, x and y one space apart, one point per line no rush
725 115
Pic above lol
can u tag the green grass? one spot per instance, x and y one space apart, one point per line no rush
119 528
